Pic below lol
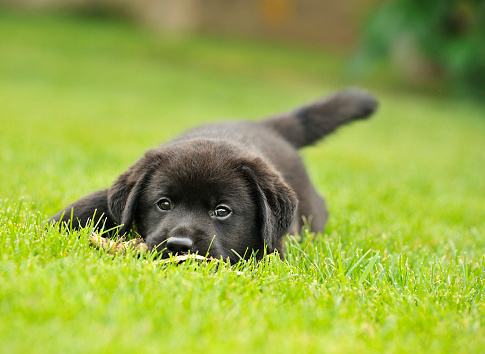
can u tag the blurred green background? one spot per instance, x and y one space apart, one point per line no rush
435 45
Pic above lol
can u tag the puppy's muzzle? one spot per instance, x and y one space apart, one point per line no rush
179 245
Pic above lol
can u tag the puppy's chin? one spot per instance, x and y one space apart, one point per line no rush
214 252
228 256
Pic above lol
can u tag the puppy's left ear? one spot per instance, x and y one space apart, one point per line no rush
277 202
90 208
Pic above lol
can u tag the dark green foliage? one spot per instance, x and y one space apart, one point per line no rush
450 34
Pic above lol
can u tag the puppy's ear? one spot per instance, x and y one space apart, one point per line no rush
125 191
277 202
90 208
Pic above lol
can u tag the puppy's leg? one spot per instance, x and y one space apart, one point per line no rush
309 123
90 208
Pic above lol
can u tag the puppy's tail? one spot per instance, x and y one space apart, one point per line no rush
309 123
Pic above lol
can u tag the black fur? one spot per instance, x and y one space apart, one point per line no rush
250 170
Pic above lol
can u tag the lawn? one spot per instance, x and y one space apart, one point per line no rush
400 267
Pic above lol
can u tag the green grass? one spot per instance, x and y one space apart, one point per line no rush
400 267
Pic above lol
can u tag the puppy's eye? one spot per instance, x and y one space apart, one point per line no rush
222 211
164 204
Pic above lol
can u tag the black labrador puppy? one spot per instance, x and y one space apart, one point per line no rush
225 190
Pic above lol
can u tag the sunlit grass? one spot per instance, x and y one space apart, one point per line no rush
400 267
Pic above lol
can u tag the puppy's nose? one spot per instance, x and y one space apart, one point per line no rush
179 245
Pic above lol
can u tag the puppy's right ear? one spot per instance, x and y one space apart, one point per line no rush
90 208
124 193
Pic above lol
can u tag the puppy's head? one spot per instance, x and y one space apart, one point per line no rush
210 197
